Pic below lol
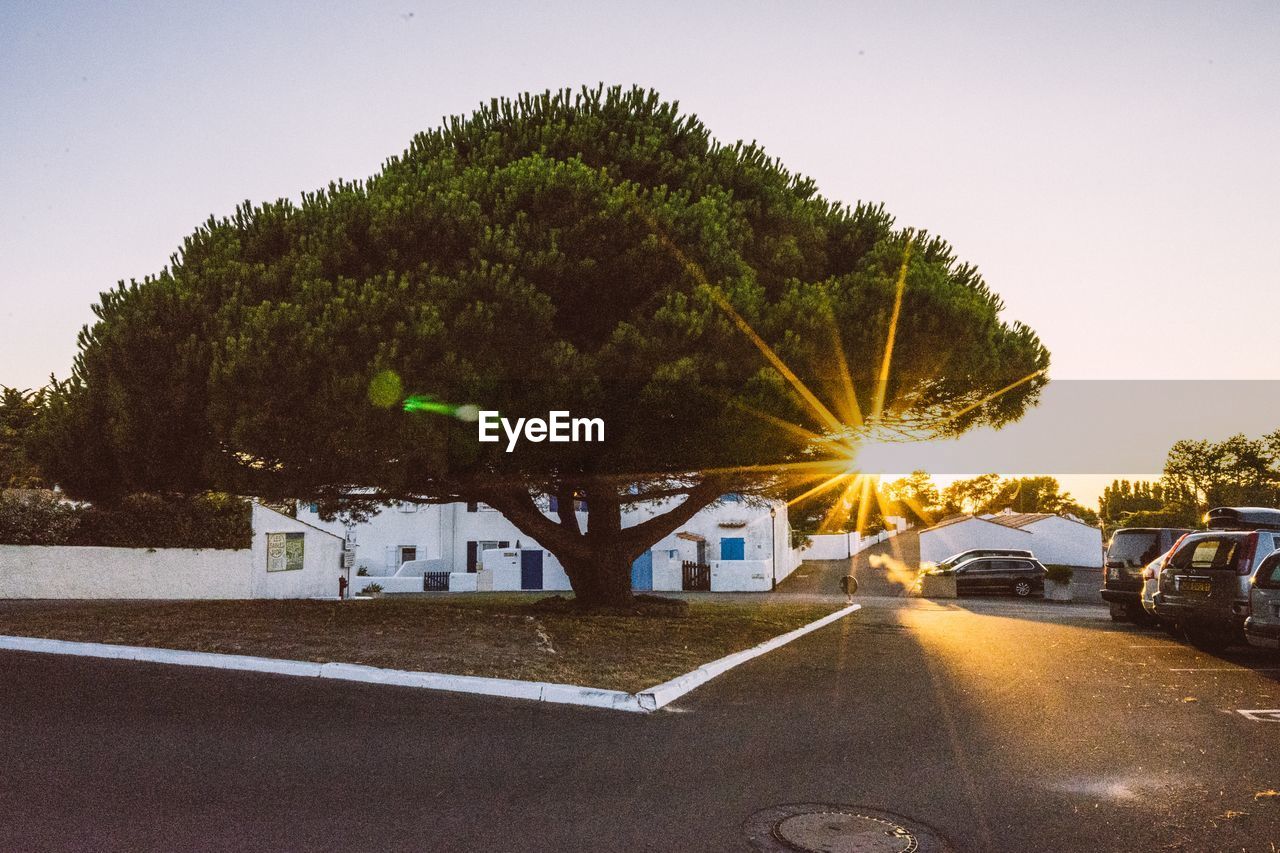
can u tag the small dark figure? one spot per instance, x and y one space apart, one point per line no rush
849 585
342 587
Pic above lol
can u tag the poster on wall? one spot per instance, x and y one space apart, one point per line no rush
284 551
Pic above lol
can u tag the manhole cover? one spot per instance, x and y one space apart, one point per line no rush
829 828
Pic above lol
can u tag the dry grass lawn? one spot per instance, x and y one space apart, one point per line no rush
492 635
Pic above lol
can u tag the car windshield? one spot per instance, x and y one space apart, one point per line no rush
1133 547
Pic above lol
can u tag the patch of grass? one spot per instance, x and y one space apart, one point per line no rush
498 635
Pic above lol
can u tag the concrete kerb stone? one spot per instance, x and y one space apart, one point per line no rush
643 702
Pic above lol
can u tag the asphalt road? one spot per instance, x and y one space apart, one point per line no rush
1003 725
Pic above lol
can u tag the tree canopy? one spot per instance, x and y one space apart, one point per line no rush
19 411
593 251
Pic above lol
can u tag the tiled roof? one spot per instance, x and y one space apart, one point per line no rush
1020 519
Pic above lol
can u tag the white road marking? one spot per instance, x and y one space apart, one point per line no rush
1261 715
1226 669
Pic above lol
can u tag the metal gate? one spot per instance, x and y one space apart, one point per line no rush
435 582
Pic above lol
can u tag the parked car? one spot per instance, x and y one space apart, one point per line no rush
1020 576
1151 583
1262 628
956 559
1206 586
1130 550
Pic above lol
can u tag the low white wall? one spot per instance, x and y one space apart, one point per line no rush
464 581
829 546
37 571
668 571
862 543
418 568
389 583
741 575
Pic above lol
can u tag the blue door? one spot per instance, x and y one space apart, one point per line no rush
733 549
531 570
642 572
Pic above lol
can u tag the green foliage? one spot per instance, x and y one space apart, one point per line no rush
1240 471
37 518
1059 574
574 251
18 413
970 496
1172 516
372 589
138 521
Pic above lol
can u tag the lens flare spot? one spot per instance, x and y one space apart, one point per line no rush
385 389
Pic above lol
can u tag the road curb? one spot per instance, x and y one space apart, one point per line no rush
667 692
643 702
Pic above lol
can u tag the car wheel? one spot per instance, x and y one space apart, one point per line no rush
1022 588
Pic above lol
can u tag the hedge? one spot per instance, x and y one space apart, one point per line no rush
138 521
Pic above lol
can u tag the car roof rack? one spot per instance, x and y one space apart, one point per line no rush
1243 518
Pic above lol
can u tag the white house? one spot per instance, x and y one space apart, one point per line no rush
736 543
1052 538
1059 540
963 532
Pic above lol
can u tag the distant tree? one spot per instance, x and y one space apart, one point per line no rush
18 413
595 252
915 498
1028 494
972 495
1123 498
1238 471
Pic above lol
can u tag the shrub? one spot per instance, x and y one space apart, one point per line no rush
362 572
1059 574
137 521
372 589
36 518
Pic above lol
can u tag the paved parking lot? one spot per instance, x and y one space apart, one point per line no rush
1003 725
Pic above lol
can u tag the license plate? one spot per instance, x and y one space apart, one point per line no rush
1114 574
1197 586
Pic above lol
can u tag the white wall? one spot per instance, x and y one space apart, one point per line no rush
829 546
378 541
32 571
321 559
741 576
937 544
1065 542
64 571
765 537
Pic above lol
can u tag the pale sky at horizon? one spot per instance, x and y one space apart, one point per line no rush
1111 169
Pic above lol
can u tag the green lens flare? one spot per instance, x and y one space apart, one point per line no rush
385 389
427 403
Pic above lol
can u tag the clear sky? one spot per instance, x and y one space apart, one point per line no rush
1113 169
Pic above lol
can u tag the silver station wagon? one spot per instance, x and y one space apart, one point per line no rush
1205 586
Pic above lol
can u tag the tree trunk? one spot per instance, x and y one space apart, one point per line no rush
600 576
597 561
